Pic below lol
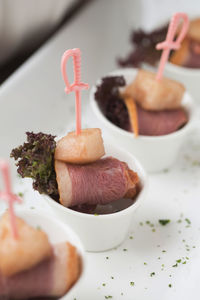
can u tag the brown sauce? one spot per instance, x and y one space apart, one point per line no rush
109 208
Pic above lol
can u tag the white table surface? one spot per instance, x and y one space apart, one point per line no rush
34 99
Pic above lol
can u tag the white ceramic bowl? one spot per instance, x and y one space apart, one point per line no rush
154 152
103 232
57 232
190 77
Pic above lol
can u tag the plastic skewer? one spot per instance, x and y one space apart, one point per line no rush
77 85
169 43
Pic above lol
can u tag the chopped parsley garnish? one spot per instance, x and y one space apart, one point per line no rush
188 221
131 237
174 266
164 222
20 194
103 284
107 257
145 263
112 277
178 261
184 262
170 285
153 230
108 297
152 274
164 251
125 249
132 283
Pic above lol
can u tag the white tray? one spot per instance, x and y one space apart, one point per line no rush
34 99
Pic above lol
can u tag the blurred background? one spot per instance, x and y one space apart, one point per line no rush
26 25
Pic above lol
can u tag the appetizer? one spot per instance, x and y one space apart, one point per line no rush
144 48
145 106
30 267
74 170
188 54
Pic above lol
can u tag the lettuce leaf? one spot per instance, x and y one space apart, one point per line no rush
35 159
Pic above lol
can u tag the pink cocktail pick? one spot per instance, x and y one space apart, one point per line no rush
77 85
8 196
169 43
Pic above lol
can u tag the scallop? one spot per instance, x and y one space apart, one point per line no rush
150 94
84 148
30 248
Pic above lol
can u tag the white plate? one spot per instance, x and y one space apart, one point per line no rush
38 85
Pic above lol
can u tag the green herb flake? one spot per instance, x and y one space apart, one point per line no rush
20 194
188 221
131 237
132 283
95 214
184 263
107 257
179 221
152 274
187 258
164 222
112 277
145 263
174 266
125 249
153 230
103 284
178 261
170 285
164 251
108 297
141 223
